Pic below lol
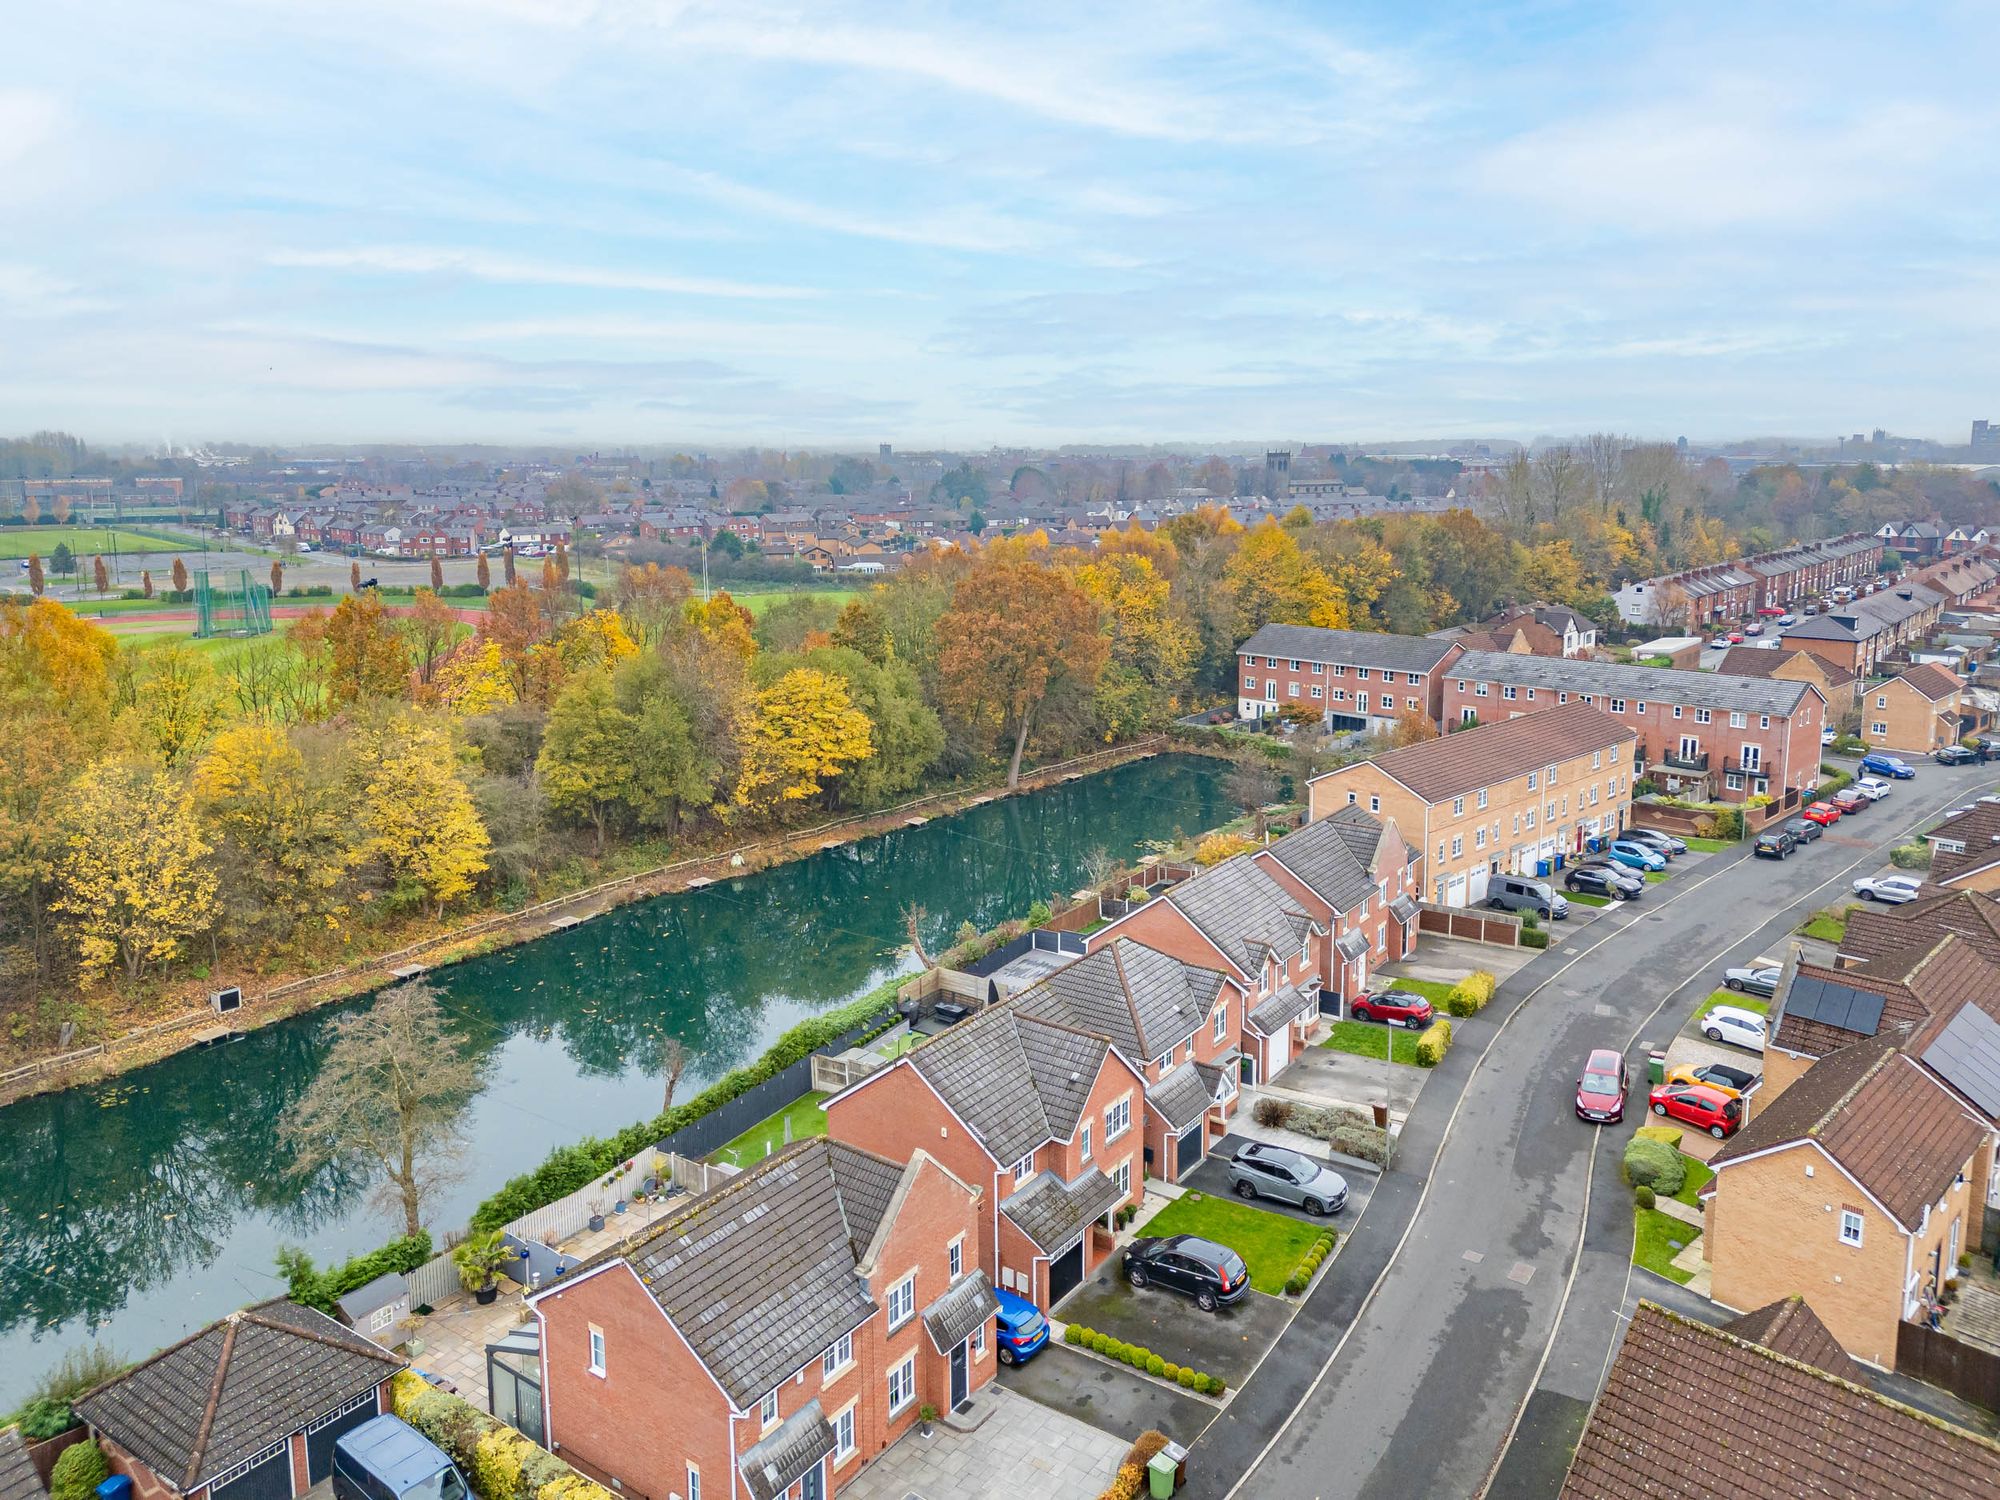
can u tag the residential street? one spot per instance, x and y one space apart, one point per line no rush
1416 1392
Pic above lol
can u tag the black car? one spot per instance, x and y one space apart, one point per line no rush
1803 830
1740 1079
1666 843
1597 880
1773 843
1633 883
1954 755
1214 1275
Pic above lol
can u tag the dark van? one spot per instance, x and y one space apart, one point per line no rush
385 1458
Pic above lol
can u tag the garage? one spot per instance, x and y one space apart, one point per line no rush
1475 892
1454 891
267 1479
1187 1152
1065 1271
321 1437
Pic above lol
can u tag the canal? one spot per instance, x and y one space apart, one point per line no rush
137 1210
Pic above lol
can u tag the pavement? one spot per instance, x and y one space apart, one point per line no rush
1227 1342
1106 1396
1494 1258
1005 1446
1212 1177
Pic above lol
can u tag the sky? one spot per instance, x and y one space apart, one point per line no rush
595 222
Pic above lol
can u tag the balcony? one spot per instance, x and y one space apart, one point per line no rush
1673 760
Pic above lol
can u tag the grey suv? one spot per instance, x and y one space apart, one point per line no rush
1265 1171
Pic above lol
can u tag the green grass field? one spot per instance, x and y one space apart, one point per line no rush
1269 1243
1654 1237
1699 1174
85 542
758 603
1372 1038
1586 899
1741 1001
1708 846
1433 990
804 1117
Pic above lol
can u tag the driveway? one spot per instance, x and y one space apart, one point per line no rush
1109 1397
1005 1446
1227 1342
1451 959
1348 1078
1212 1177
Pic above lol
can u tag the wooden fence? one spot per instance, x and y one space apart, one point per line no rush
694 1176
433 1282
1502 929
555 1222
1934 1356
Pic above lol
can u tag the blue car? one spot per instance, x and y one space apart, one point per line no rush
1021 1330
1888 765
1638 856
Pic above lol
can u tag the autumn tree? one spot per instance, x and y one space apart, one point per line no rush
862 627
549 579
100 575
507 564
414 801
619 746
388 1098
36 583
1412 727
562 563
482 573
134 887
437 574
428 627
368 657
354 577
472 680
517 623
803 730
277 577
180 576
908 737
650 600
572 495
179 702
1269 580
1018 640
146 582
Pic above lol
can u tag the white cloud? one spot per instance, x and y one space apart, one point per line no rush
29 292
480 265
945 229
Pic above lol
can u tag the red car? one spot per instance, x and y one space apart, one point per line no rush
1823 813
1698 1104
1600 1092
1849 801
1735 637
1397 1007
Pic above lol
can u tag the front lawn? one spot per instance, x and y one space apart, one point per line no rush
1433 990
1829 926
804 1117
1365 1039
1709 846
1727 996
1269 1243
1698 1175
1584 898
1657 1238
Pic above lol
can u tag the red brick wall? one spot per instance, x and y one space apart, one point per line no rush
1425 694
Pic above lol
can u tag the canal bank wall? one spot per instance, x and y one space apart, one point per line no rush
484 935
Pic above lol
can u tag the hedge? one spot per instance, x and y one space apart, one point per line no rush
1434 1043
1131 1480
1139 1357
1316 1252
1346 1129
1655 1165
1470 995
322 1289
78 1471
500 1463
1666 1135
1534 937
569 1168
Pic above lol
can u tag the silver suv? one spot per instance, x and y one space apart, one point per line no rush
1264 1171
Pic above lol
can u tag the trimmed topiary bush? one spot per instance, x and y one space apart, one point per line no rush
1651 1164
1076 1333
1155 1365
1470 995
78 1472
1534 937
1434 1043
1644 1196
1187 1379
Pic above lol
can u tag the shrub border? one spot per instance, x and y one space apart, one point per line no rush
1140 1358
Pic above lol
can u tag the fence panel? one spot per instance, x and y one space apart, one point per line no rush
1932 1355
433 1282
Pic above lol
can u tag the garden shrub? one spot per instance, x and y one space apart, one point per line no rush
1669 1135
1076 1333
1470 995
1170 1372
78 1472
1039 914
1216 1385
1273 1114
1146 1446
44 1417
1534 937
501 1463
1915 856
1187 1379
312 1287
1155 1365
1655 1165
1728 824
1434 1043
1367 1142
1130 1481
1644 1196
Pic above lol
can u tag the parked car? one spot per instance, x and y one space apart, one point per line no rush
1666 843
1755 627
1212 1274
1788 619
387 1459
1893 890
1888 765
1526 893
1773 843
1754 979
1732 1023
1600 880
1020 1330
1698 1104
1827 737
1954 755
1735 637
1735 1082
1826 814
1261 1170
1601 1090
1397 1007
1805 830
1720 643
1849 801
1633 882
1874 788
1636 856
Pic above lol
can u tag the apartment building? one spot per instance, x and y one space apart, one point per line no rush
1353 679
1502 798
1699 733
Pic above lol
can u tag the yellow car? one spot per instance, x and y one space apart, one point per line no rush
1733 1082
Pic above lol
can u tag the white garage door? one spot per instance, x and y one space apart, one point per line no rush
1454 891
1476 890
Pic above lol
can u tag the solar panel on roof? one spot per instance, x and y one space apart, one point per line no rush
1814 999
1966 1055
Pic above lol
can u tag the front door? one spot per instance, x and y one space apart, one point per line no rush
813 1486
958 1377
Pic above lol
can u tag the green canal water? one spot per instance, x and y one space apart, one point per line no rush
142 1208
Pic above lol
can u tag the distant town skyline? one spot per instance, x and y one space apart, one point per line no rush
591 224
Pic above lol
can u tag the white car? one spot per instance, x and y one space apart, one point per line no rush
1874 788
1732 1023
1827 736
1720 643
1892 889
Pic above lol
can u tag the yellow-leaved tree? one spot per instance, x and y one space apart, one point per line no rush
133 879
1269 580
473 680
803 728
596 641
419 812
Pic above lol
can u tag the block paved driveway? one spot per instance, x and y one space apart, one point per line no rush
1016 1449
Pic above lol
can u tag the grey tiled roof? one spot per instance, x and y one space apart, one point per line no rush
758 1276
18 1479
1403 908
1018 1080
1180 1099
1243 911
1286 1005
1055 1214
1356 648
772 1466
1640 684
961 1311
1327 856
1145 1001
1063 1062
267 1372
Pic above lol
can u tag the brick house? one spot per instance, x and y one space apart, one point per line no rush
1860 635
775 1334
1355 873
1736 737
1037 1115
1354 679
246 1409
1965 854
1530 630
1502 798
1721 593
1840 687
1916 712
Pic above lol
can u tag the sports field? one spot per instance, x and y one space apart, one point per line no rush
85 542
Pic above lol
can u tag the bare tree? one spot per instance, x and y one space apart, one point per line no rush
913 924
389 1095
1098 866
674 1058
1253 785
1560 476
1603 456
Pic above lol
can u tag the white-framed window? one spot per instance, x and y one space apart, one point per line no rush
1510 692
1121 1178
1085 1142
1319 668
1024 1169
1479 838
1763 721
1293 691
1118 1118
1362 673
694 1483
1597 760
1413 678
1457 846
1531 695
1458 807
1410 704
1702 716
382 1318
1878 729
1374 804
1850 1227
843 1437
767 1409
1479 799
1479 690
955 1257
1271 662
1222 1021
1534 780
1678 710
1531 817
1295 666
902 1385
1881 700
1617 705
838 1354
596 1350
1733 781
902 1301
1738 720
979 1342
1319 692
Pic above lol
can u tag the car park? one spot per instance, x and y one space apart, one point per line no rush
1397 1007
1735 1082
1874 788
1602 880
1212 1274
1261 1170
1666 843
1602 1086
1887 765
1805 830
1773 843
1734 1024
1699 1105
1753 979
1526 893
1892 890
1826 814
1850 801
1020 1331
1954 755
1636 856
